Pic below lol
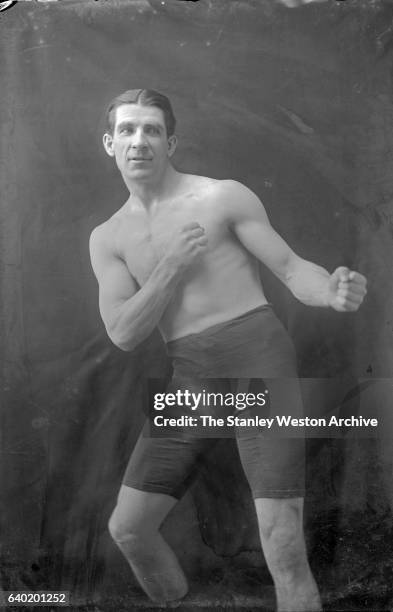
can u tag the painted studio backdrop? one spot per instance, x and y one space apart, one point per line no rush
295 103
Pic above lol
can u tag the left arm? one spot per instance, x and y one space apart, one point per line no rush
344 290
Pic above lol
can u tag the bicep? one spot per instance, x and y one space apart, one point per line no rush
251 226
116 285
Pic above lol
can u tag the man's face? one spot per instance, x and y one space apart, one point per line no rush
140 143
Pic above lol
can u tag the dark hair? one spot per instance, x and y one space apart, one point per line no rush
143 97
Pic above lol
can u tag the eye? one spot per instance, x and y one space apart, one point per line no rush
152 129
126 129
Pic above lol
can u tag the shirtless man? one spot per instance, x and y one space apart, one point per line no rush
182 254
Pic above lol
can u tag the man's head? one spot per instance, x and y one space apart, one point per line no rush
140 135
143 97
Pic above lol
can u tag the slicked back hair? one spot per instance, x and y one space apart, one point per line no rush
142 97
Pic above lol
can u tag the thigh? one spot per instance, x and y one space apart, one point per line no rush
274 467
165 466
273 463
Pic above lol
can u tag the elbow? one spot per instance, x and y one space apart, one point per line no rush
127 347
126 344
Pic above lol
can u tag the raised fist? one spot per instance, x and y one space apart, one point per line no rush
187 244
347 290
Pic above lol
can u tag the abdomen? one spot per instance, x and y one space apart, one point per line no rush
225 284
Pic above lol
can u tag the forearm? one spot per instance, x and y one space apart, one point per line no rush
308 282
136 318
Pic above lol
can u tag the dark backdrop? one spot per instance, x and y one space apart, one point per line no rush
297 104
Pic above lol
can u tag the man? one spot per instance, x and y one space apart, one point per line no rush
182 254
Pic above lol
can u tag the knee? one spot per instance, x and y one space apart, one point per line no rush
280 533
116 530
281 527
122 531
283 542
282 536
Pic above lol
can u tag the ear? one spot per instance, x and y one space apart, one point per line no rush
108 144
172 144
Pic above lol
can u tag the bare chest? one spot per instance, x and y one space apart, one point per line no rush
143 240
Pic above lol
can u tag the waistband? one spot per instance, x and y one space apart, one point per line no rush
218 327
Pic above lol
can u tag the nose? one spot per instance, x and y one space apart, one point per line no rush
139 139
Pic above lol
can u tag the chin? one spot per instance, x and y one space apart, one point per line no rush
140 175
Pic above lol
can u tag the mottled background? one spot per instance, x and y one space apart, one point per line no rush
297 104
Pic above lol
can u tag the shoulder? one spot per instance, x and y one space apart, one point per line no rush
105 233
231 190
103 242
196 183
230 199
219 187
237 200
102 246
100 237
235 188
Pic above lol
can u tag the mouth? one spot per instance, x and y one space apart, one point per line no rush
139 159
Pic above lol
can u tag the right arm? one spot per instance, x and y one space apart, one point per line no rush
131 313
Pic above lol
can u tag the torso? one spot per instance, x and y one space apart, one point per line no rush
223 284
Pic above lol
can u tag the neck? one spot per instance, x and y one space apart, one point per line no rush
152 192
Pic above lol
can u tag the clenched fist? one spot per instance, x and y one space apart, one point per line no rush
347 290
187 244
